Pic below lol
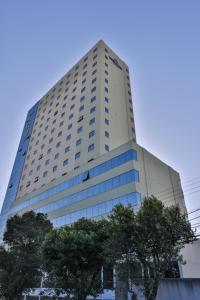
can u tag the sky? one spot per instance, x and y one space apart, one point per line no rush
159 40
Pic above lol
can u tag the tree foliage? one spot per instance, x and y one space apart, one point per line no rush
20 258
73 258
151 238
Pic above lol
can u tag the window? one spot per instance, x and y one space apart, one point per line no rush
106 110
92 109
85 66
92 121
95 50
40 157
84 73
72 106
78 142
83 89
85 58
49 151
94 64
52 130
79 129
68 137
106 147
80 118
75 81
84 80
93 99
32 161
106 64
71 116
106 80
45 173
55 168
106 89
94 80
59 133
82 98
91 133
76 74
94 72
90 147
47 162
42 147
67 149
106 100
107 134
106 50
64 105
56 156
58 144
30 173
93 89
74 89
106 72
69 126
77 155
65 162
95 56
38 167
106 121
62 115
61 124
81 108
28 183
51 140
56 112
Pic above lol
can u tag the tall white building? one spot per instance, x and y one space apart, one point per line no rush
78 155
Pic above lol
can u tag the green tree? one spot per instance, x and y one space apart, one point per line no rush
20 258
73 258
150 239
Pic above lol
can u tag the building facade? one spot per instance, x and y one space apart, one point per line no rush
78 155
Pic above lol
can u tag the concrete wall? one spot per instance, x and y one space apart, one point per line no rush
191 254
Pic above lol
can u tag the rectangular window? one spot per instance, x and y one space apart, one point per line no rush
81 108
93 99
78 142
92 133
58 144
55 168
106 89
67 149
65 162
84 73
94 72
46 162
107 134
106 80
106 100
93 89
106 147
84 80
56 156
77 155
49 151
71 116
94 80
95 56
69 126
72 106
92 109
82 98
92 121
68 137
85 66
80 129
45 173
83 89
90 147
94 64
106 110
106 121
80 118
59 133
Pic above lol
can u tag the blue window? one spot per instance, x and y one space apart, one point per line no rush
78 142
58 144
77 155
90 147
92 133
106 121
83 89
67 149
46 162
45 173
49 151
56 156
92 109
55 168
106 147
68 137
92 121
107 134
80 129
93 89
81 108
65 162
72 106
69 126
93 99
94 80
82 98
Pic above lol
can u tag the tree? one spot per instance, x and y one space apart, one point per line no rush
73 258
150 239
20 258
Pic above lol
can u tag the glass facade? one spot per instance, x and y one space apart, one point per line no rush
18 167
97 210
102 187
106 166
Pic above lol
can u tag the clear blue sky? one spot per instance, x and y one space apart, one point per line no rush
159 40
